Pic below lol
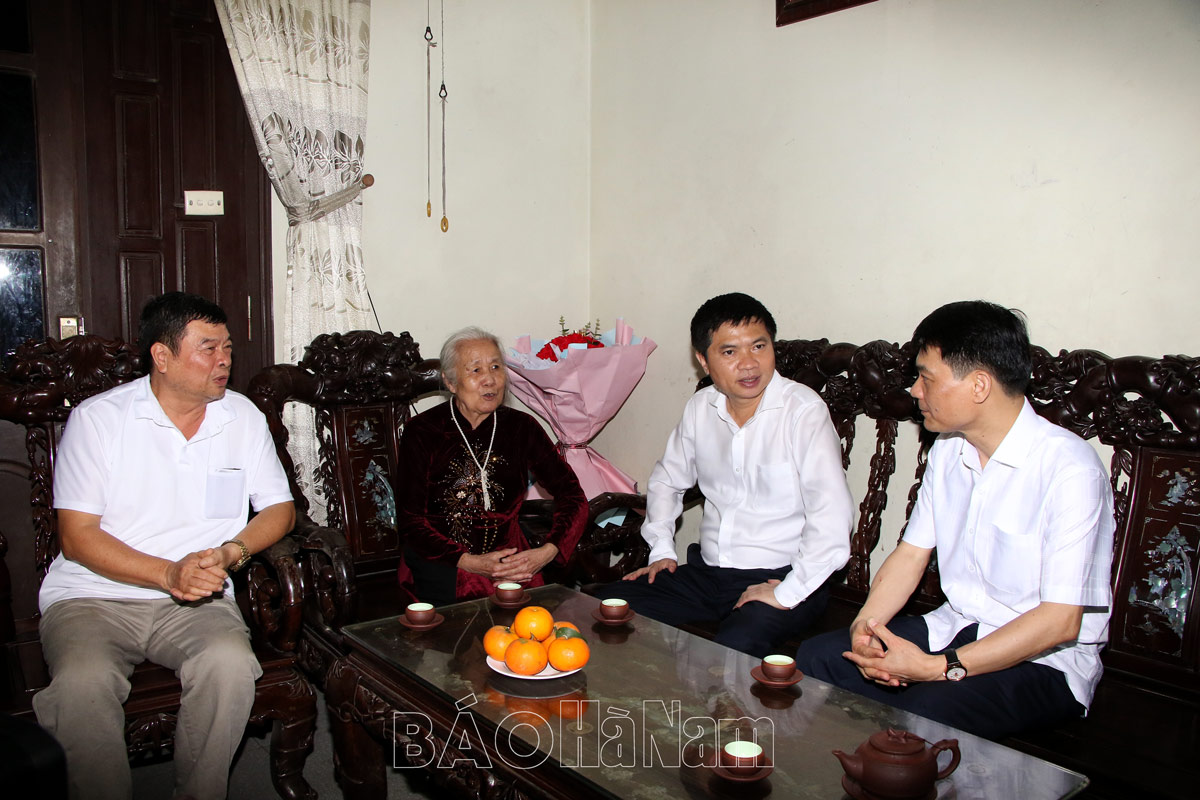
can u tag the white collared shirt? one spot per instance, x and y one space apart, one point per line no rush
774 489
123 460
1035 525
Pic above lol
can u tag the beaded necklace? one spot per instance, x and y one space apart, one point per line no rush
483 481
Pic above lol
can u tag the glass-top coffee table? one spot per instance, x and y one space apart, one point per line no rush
641 720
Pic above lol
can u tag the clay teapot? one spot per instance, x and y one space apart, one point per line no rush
897 764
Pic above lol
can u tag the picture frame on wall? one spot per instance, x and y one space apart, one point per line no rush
789 11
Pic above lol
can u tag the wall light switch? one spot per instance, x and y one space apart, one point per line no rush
206 203
68 327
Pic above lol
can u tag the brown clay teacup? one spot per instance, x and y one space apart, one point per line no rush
742 757
778 668
419 613
614 608
509 592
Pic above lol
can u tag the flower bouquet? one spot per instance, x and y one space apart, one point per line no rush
577 382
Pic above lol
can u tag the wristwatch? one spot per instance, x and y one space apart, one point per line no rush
955 671
241 562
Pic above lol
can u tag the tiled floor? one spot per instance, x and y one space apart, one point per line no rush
251 778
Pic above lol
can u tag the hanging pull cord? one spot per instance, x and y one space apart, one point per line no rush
429 121
442 93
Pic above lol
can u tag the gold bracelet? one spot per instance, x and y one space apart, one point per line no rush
245 553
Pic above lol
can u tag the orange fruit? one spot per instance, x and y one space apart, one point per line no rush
568 653
533 622
561 630
525 657
496 641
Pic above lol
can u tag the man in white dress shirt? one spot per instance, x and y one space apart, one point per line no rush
1019 511
777 510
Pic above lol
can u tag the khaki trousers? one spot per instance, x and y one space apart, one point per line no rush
92 646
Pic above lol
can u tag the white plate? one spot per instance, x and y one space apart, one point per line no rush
545 674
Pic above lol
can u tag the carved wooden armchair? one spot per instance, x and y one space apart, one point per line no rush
41 384
361 387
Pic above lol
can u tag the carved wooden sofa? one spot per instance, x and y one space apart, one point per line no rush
361 387
40 385
1142 734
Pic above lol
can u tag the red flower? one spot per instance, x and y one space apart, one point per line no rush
547 352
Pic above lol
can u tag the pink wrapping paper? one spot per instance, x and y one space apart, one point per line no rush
577 396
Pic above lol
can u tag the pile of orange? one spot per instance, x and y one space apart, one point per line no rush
535 640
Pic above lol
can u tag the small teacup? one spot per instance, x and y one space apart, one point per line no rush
509 592
741 757
419 613
778 668
614 608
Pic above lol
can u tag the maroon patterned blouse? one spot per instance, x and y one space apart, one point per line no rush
439 501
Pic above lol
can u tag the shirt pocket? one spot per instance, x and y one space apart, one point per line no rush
1010 562
225 493
774 488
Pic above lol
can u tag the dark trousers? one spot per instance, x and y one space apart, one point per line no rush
433 581
696 592
992 705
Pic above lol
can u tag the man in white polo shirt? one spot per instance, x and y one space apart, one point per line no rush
1019 511
153 484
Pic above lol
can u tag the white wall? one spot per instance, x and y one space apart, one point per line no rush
518 138
857 170
635 157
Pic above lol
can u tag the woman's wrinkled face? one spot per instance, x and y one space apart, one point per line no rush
481 378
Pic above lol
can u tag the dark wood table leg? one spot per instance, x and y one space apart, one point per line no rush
359 759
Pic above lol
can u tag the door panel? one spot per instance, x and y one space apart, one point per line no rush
134 103
163 116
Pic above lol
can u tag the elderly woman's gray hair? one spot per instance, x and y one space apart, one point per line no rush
449 356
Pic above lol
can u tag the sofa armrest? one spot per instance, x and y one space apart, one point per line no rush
327 567
272 596
610 547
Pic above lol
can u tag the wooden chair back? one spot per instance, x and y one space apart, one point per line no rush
360 388
43 381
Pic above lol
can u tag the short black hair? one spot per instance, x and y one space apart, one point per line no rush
975 334
736 309
166 317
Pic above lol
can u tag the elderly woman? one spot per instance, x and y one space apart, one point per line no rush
466 466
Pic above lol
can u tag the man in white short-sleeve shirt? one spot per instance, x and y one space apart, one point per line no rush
777 510
153 484
1019 511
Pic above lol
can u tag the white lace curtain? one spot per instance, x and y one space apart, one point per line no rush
302 69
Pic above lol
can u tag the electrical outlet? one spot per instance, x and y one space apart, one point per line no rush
205 203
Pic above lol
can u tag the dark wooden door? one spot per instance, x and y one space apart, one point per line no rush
164 116
109 111
136 104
